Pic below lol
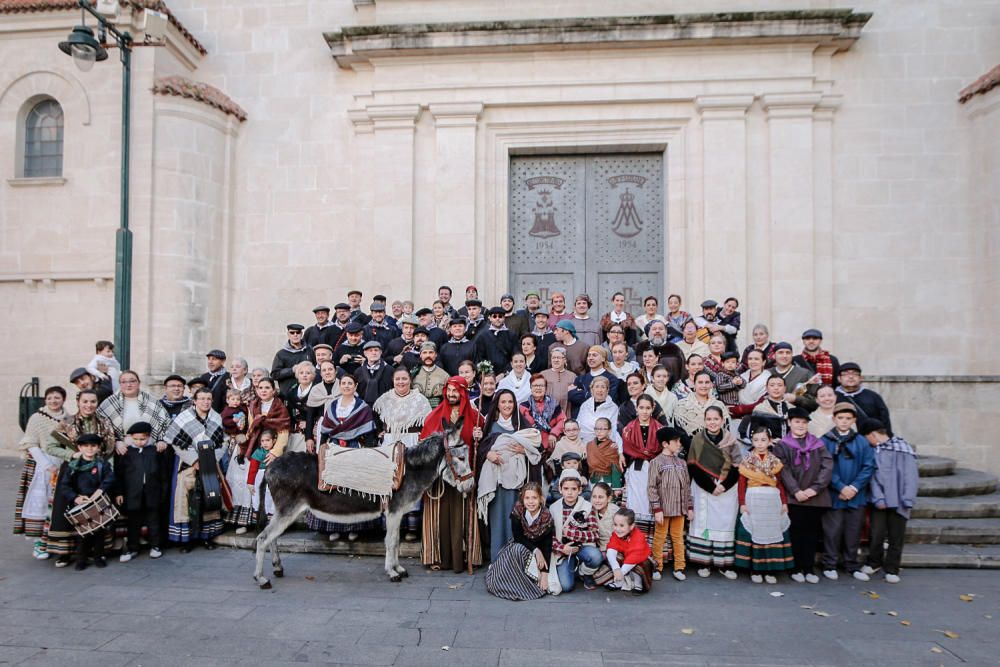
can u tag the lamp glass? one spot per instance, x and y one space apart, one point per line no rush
84 56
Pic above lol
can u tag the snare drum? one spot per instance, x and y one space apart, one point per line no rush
92 515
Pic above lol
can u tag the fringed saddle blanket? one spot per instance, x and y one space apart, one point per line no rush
372 473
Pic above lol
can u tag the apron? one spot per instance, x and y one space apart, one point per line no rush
765 523
715 516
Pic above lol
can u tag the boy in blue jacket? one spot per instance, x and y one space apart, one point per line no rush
893 494
853 467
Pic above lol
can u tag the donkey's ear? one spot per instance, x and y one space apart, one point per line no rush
458 423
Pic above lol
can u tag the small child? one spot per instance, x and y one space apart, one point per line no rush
569 461
893 492
728 381
669 491
104 366
604 460
762 541
628 556
140 489
569 442
235 423
258 486
853 467
86 478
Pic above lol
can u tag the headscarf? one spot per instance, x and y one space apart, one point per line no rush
442 413
604 357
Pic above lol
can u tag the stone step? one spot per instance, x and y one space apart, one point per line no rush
957 507
935 466
963 482
952 556
307 541
953 531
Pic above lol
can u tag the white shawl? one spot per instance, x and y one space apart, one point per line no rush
512 471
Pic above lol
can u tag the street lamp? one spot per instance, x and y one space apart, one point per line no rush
86 50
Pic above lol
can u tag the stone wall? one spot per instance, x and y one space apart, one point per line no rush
946 416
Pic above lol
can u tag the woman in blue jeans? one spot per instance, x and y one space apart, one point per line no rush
574 540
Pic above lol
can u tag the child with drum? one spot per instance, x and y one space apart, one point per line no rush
140 488
87 479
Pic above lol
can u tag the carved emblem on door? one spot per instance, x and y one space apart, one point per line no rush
627 222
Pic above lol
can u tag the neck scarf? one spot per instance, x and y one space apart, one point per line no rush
823 363
762 471
637 447
543 413
602 456
536 529
803 448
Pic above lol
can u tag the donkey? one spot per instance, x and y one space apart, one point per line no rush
293 477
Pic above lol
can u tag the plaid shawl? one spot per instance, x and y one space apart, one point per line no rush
359 422
73 427
150 410
187 429
823 363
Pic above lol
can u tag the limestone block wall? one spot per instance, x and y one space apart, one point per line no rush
190 235
946 416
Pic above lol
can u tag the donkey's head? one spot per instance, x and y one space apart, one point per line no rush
455 466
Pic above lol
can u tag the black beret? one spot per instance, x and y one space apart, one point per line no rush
170 378
729 355
870 426
795 412
423 311
668 433
849 366
473 302
342 306
782 346
197 380
496 310
139 427
423 330
89 439
354 327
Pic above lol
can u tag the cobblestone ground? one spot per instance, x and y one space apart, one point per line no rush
203 609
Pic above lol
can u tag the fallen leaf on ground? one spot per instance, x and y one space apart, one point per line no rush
455 586
906 623
969 597
687 631
445 648
937 649
869 612
777 594
949 634
805 606
821 613
873 595
893 613
309 577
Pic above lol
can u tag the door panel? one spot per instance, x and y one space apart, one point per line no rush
587 224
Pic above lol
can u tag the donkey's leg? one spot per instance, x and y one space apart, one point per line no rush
278 525
392 567
286 521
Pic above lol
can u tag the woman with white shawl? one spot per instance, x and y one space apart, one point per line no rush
502 475
598 405
518 380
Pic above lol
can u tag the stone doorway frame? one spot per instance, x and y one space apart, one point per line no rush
502 141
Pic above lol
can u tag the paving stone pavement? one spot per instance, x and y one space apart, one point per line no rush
203 608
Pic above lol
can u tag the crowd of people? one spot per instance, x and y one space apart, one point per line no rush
605 449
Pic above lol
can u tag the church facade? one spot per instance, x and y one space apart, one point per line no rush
830 167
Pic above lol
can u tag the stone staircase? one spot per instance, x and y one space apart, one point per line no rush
956 523
954 505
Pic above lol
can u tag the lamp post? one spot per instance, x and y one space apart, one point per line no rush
86 50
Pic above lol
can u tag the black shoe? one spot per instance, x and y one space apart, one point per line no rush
81 564
185 549
210 546
101 562
63 561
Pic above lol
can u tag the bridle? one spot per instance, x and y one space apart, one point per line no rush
450 462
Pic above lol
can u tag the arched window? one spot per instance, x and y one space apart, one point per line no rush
43 140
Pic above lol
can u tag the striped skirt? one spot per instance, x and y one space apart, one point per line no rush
775 557
29 527
711 535
506 577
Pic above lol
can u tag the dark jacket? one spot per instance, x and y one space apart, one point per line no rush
383 334
84 483
495 347
869 404
217 386
372 384
799 360
452 353
140 478
853 465
800 476
284 361
355 352
327 335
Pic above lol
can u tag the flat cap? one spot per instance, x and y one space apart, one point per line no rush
377 306
795 412
709 303
371 344
342 306
423 311
845 406
218 354
354 327
812 333
77 374
783 346
849 366
322 346
409 319
320 309
428 345
294 326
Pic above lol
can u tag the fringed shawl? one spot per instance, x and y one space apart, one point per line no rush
714 459
401 413
39 428
357 424
188 429
71 428
150 410
633 444
277 419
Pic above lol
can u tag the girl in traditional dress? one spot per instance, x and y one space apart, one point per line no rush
762 542
520 570
31 508
675 318
519 379
256 479
640 446
635 385
628 555
659 389
754 384
713 462
604 461
348 422
235 422
689 413
685 387
467 370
